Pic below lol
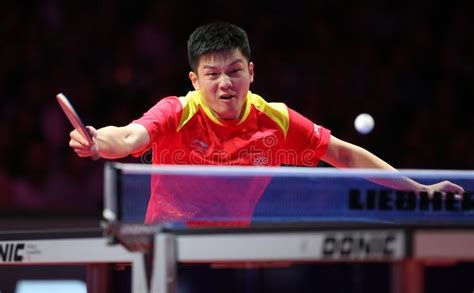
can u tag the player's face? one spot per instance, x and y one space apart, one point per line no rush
224 81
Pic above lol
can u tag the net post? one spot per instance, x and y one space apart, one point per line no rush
111 212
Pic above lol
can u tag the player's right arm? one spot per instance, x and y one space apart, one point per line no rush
111 142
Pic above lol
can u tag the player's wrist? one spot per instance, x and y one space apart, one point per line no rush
95 155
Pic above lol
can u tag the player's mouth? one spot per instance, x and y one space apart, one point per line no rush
226 97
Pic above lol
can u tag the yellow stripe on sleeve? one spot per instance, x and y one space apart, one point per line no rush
278 112
190 107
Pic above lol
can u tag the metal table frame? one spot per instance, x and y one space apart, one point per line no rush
405 248
410 248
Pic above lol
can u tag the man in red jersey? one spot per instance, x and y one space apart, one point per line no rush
222 122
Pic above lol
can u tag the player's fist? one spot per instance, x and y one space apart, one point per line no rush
81 146
445 187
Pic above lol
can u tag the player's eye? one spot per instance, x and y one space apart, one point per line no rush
211 75
235 70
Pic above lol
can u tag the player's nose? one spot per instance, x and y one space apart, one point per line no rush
225 82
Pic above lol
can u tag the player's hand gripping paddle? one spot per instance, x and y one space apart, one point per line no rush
76 122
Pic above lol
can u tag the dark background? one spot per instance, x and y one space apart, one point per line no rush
408 63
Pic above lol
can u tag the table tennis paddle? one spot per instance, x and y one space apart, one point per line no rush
76 122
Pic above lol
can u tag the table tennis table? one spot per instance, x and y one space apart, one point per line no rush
384 226
407 249
361 223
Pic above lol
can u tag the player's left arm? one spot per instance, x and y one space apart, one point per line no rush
342 154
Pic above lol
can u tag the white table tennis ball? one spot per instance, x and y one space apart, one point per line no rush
364 123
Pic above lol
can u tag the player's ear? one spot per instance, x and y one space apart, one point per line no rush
251 71
194 80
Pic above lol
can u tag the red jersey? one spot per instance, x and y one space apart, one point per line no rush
185 131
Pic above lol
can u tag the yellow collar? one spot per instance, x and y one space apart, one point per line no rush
198 96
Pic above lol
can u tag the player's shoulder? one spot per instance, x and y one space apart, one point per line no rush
178 103
189 107
190 100
270 108
279 113
166 102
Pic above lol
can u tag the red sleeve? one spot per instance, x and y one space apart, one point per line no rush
308 140
161 120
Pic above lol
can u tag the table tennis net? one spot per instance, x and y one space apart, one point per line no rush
136 193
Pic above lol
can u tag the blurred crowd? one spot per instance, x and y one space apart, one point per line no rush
408 63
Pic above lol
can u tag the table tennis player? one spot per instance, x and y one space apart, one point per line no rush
221 122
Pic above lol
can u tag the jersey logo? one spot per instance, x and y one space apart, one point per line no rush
260 160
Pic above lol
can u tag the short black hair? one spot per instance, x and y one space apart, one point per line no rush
216 37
